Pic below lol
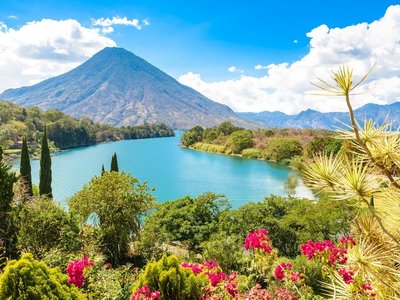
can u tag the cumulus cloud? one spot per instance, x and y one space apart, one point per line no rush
286 87
107 23
41 49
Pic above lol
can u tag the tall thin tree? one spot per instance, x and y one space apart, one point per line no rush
114 163
25 167
45 168
102 169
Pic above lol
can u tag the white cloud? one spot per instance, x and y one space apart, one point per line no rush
107 23
286 87
234 69
295 41
12 17
260 67
41 49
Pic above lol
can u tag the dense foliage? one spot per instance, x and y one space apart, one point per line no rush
28 278
278 145
171 280
115 203
44 225
65 131
7 224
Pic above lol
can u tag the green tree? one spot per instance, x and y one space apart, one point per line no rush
102 169
7 226
44 225
45 168
240 140
290 221
114 163
279 149
28 278
227 128
192 136
188 220
171 280
25 167
117 202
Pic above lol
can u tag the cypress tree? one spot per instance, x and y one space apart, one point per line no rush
102 169
25 167
114 163
45 168
7 226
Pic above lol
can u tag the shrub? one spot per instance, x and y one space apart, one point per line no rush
28 278
323 144
252 153
240 140
171 280
45 225
210 148
279 149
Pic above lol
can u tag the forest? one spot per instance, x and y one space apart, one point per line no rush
64 131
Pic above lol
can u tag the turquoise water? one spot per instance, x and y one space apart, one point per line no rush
174 172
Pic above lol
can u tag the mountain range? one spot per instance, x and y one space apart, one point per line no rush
317 120
119 88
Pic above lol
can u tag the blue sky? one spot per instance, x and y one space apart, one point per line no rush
206 37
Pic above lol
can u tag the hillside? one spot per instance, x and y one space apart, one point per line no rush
317 120
63 130
119 88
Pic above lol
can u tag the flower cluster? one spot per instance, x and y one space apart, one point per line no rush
218 279
281 271
75 271
258 239
144 293
327 248
347 275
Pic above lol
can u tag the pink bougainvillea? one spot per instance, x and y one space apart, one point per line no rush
336 254
347 275
258 239
279 271
144 293
75 271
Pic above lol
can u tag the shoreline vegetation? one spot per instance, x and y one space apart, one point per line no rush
64 132
286 146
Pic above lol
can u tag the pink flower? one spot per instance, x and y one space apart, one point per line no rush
258 239
196 268
279 271
144 293
75 271
347 241
367 287
210 264
347 275
216 278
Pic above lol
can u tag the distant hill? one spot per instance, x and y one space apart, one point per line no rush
317 120
119 88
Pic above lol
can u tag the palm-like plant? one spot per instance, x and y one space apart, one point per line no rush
365 176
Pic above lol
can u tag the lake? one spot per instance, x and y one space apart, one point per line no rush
174 171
